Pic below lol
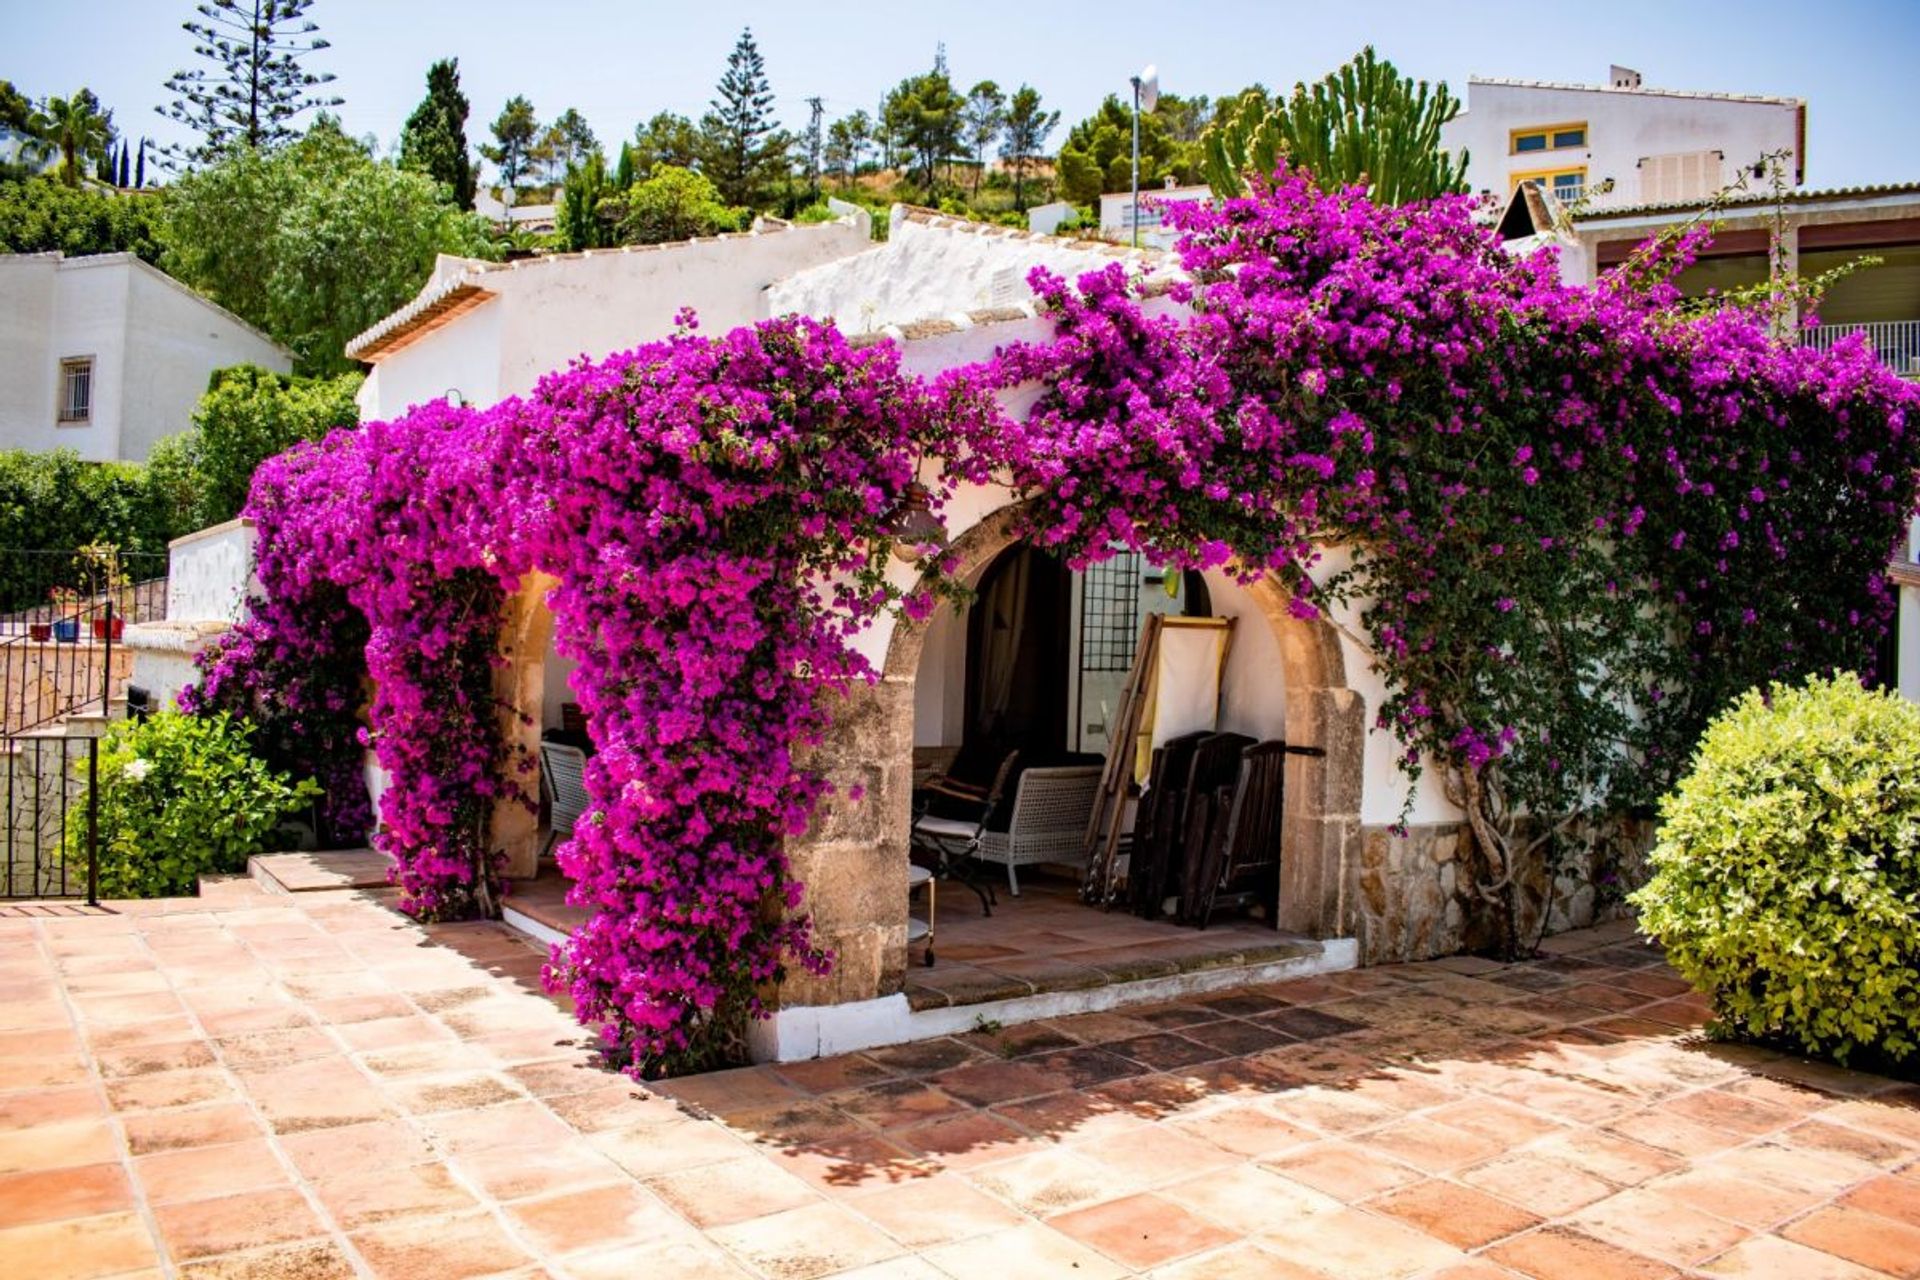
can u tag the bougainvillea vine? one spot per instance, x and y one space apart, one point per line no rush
1568 522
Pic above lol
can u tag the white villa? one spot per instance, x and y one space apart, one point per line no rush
105 355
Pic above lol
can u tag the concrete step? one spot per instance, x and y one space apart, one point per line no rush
313 872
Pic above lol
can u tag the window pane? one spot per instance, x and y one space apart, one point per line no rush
1570 138
1530 142
1563 181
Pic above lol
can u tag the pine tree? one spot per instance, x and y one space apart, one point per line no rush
1026 134
741 150
922 115
981 120
259 84
514 134
140 166
122 171
623 168
434 141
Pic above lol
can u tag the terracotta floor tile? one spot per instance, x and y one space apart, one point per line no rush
966 1139
57 1146
270 1049
740 1089
1248 1198
518 1173
730 1191
797 1123
171 1089
799 1244
1502 1122
825 1075
1342 1170
1866 1238
897 1103
1555 1253
1246 1129
1049 1182
321 1093
79 1248
228 1224
1429 1147
678 1258
984 1084
305 1260
1140 1231
931 1211
48 1195
1153 1155
1731 1113
1838 1139
595 1218
1242 1261
450 1248
608 1106
172 1130
1618 1160
1456 1214
1537 1185
199 1173
1677 1134
1895 1115
1082 1068
1771 1258
858 1165
1030 1252
350 1149
515 1123
643 1150
1356 1245
460 1091
32 1107
1163 1050
1646 1222
143 1060
1896 1198
378 1194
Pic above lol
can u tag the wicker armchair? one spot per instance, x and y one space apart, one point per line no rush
1049 821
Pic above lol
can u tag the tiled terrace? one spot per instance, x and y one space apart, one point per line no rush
254 1085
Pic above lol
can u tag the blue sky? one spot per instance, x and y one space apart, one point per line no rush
619 61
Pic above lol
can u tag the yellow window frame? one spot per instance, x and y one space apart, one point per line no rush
1545 177
1545 132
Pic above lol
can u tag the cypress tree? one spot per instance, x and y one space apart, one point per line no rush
434 141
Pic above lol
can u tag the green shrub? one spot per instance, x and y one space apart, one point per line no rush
1786 881
180 797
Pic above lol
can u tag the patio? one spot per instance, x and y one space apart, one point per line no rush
254 1084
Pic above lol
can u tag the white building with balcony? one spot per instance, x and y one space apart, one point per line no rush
105 355
1642 145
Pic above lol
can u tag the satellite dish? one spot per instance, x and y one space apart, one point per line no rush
1148 83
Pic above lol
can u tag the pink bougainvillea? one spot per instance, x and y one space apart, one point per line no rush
1573 521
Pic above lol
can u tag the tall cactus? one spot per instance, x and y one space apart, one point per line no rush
1364 123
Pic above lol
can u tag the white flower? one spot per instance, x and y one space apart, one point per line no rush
137 769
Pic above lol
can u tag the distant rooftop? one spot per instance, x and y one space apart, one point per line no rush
1637 88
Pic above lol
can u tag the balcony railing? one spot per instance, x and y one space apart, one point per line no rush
1897 342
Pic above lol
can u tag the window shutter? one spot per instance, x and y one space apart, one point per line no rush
1679 175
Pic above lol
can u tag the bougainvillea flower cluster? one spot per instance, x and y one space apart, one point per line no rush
1569 523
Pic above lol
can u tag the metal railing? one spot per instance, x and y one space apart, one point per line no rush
60 668
37 587
1896 342
51 841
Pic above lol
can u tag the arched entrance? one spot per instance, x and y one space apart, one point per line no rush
854 859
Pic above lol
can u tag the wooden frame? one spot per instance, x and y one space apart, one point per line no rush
1547 133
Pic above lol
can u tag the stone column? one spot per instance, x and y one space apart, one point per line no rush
853 860
519 688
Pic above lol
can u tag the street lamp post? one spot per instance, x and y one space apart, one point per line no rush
1146 92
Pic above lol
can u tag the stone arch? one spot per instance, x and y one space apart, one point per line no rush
1323 793
853 861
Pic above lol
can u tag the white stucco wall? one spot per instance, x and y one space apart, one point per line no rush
548 312
1623 127
154 344
1116 214
931 268
210 573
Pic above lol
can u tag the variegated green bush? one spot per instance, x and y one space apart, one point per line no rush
1786 882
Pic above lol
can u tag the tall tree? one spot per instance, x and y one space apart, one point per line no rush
515 132
1364 122
573 139
982 119
675 204
258 84
1097 156
578 219
140 167
434 141
312 242
665 139
742 152
1028 125
123 172
79 130
16 109
923 114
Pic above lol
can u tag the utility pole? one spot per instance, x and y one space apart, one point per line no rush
813 146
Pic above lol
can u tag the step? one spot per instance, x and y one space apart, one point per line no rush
314 872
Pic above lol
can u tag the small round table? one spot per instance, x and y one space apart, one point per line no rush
919 930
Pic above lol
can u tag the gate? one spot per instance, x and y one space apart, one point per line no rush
63 665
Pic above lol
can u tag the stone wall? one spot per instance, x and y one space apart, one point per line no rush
1414 894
